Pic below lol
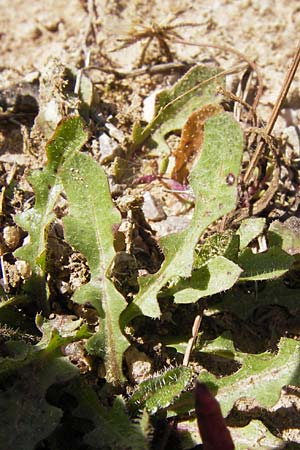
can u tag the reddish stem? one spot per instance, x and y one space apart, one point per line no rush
212 426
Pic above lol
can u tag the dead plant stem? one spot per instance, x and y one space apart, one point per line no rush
226 48
278 104
191 342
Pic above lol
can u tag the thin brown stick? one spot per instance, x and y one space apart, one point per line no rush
257 207
191 342
151 70
275 112
226 48
236 99
243 93
156 69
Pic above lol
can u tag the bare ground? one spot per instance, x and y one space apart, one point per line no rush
32 32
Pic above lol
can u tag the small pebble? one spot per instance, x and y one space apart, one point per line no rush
11 236
139 365
173 224
152 210
109 148
23 268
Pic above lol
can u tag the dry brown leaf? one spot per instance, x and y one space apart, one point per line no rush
191 141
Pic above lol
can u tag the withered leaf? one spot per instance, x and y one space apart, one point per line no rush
191 141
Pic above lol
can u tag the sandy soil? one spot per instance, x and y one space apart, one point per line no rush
265 31
33 31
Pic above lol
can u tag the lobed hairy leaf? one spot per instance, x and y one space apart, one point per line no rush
89 228
160 391
223 142
68 138
261 376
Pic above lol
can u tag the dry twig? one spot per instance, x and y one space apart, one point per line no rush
160 32
251 63
191 342
278 104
